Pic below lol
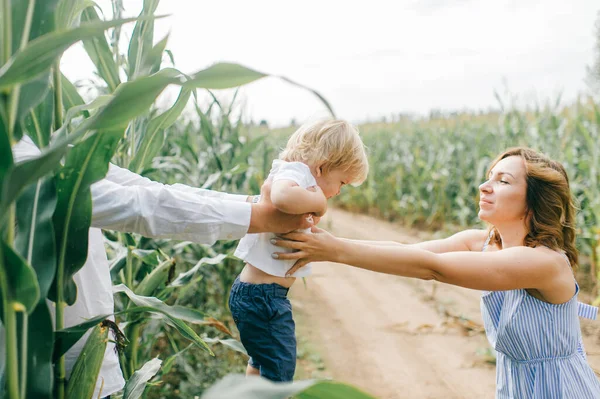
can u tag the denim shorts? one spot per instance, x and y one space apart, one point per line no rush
263 316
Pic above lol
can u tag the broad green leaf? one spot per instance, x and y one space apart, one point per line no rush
133 98
237 386
40 338
69 11
82 381
171 312
71 97
141 38
31 94
38 122
100 53
153 58
25 173
97 103
153 136
316 93
186 277
223 76
156 278
168 363
137 383
29 21
35 232
229 342
86 163
332 390
6 157
148 256
67 337
39 54
21 279
42 20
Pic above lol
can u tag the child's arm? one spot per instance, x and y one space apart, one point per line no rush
288 197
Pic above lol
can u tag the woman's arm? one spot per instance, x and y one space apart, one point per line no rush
290 198
512 268
467 240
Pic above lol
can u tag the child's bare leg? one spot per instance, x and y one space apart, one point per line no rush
252 370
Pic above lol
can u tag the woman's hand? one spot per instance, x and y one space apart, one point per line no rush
316 247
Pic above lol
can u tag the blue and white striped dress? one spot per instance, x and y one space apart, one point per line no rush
539 350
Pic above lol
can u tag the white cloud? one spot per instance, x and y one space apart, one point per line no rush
376 58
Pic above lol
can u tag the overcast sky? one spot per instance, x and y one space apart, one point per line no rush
372 59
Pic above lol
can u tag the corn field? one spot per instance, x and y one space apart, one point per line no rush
166 292
427 173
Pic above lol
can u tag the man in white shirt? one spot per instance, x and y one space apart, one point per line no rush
125 201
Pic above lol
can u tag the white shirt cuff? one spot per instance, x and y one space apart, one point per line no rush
236 221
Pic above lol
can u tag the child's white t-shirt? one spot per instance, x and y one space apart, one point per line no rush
256 249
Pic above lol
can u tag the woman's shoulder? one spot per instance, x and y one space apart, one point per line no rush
474 239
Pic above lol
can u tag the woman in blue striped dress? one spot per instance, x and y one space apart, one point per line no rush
524 264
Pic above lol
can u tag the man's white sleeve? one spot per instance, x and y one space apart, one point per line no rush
125 177
159 211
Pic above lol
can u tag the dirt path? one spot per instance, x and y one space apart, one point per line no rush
387 334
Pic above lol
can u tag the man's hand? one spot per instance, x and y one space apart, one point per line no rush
319 193
266 218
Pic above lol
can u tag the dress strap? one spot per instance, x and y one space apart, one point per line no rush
487 241
587 311
583 309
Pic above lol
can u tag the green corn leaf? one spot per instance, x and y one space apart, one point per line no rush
38 122
236 386
69 11
22 283
156 278
35 233
141 38
39 54
223 76
82 382
171 312
137 383
153 137
71 97
100 53
40 338
86 163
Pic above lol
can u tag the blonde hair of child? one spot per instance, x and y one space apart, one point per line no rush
334 144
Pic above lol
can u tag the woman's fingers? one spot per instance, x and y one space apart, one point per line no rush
294 236
315 229
287 243
289 255
297 265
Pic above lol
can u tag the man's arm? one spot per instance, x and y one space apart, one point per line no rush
158 211
125 177
162 211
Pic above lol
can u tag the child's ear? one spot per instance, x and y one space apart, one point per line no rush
319 170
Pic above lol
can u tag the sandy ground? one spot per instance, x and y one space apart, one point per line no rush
396 337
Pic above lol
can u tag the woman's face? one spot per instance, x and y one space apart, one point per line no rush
503 195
